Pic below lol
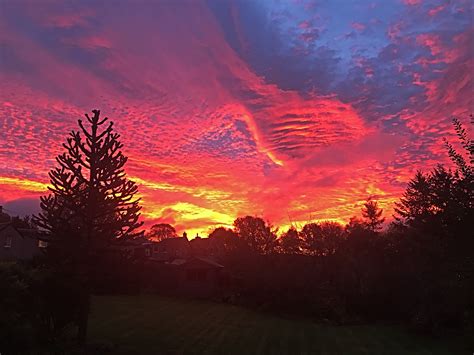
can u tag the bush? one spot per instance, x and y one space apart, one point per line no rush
37 308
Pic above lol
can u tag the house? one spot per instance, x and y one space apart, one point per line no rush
19 243
169 249
194 277
198 277
202 247
135 248
180 266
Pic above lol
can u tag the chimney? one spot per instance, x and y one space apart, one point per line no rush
185 235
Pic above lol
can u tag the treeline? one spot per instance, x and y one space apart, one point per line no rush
320 239
418 270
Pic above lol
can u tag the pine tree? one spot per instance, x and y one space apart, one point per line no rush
91 205
373 215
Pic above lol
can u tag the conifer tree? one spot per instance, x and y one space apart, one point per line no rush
91 205
465 167
373 215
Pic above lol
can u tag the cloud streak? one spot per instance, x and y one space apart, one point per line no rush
289 111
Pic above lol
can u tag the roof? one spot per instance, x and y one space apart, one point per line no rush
28 232
159 258
174 242
5 225
25 232
209 262
10 224
138 240
178 262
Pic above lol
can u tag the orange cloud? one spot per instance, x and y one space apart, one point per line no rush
209 133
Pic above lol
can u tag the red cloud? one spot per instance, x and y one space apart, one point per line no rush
209 139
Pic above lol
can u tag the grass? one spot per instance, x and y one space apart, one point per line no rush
158 325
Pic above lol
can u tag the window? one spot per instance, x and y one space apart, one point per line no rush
8 241
42 244
147 252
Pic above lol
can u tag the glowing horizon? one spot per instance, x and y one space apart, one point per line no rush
293 112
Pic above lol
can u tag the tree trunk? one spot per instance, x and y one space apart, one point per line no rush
83 318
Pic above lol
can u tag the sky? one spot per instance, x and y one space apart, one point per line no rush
293 111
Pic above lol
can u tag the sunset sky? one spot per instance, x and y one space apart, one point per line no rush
289 110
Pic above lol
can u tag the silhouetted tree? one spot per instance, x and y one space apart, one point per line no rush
414 207
463 177
290 242
92 204
161 231
373 215
333 235
257 234
224 240
435 222
223 234
359 265
321 239
466 168
436 203
310 235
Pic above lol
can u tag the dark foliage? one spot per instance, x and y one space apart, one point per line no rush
91 206
224 242
290 242
37 307
257 234
321 239
373 215
419 270
161 231
435 220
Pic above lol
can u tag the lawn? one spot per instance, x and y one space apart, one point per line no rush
158 325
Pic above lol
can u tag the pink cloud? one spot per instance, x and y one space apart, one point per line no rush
358 26
207 137
430 41
412 2
436 10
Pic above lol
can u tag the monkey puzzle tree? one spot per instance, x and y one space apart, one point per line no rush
91 205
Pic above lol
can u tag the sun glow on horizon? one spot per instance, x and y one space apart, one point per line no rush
297 115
